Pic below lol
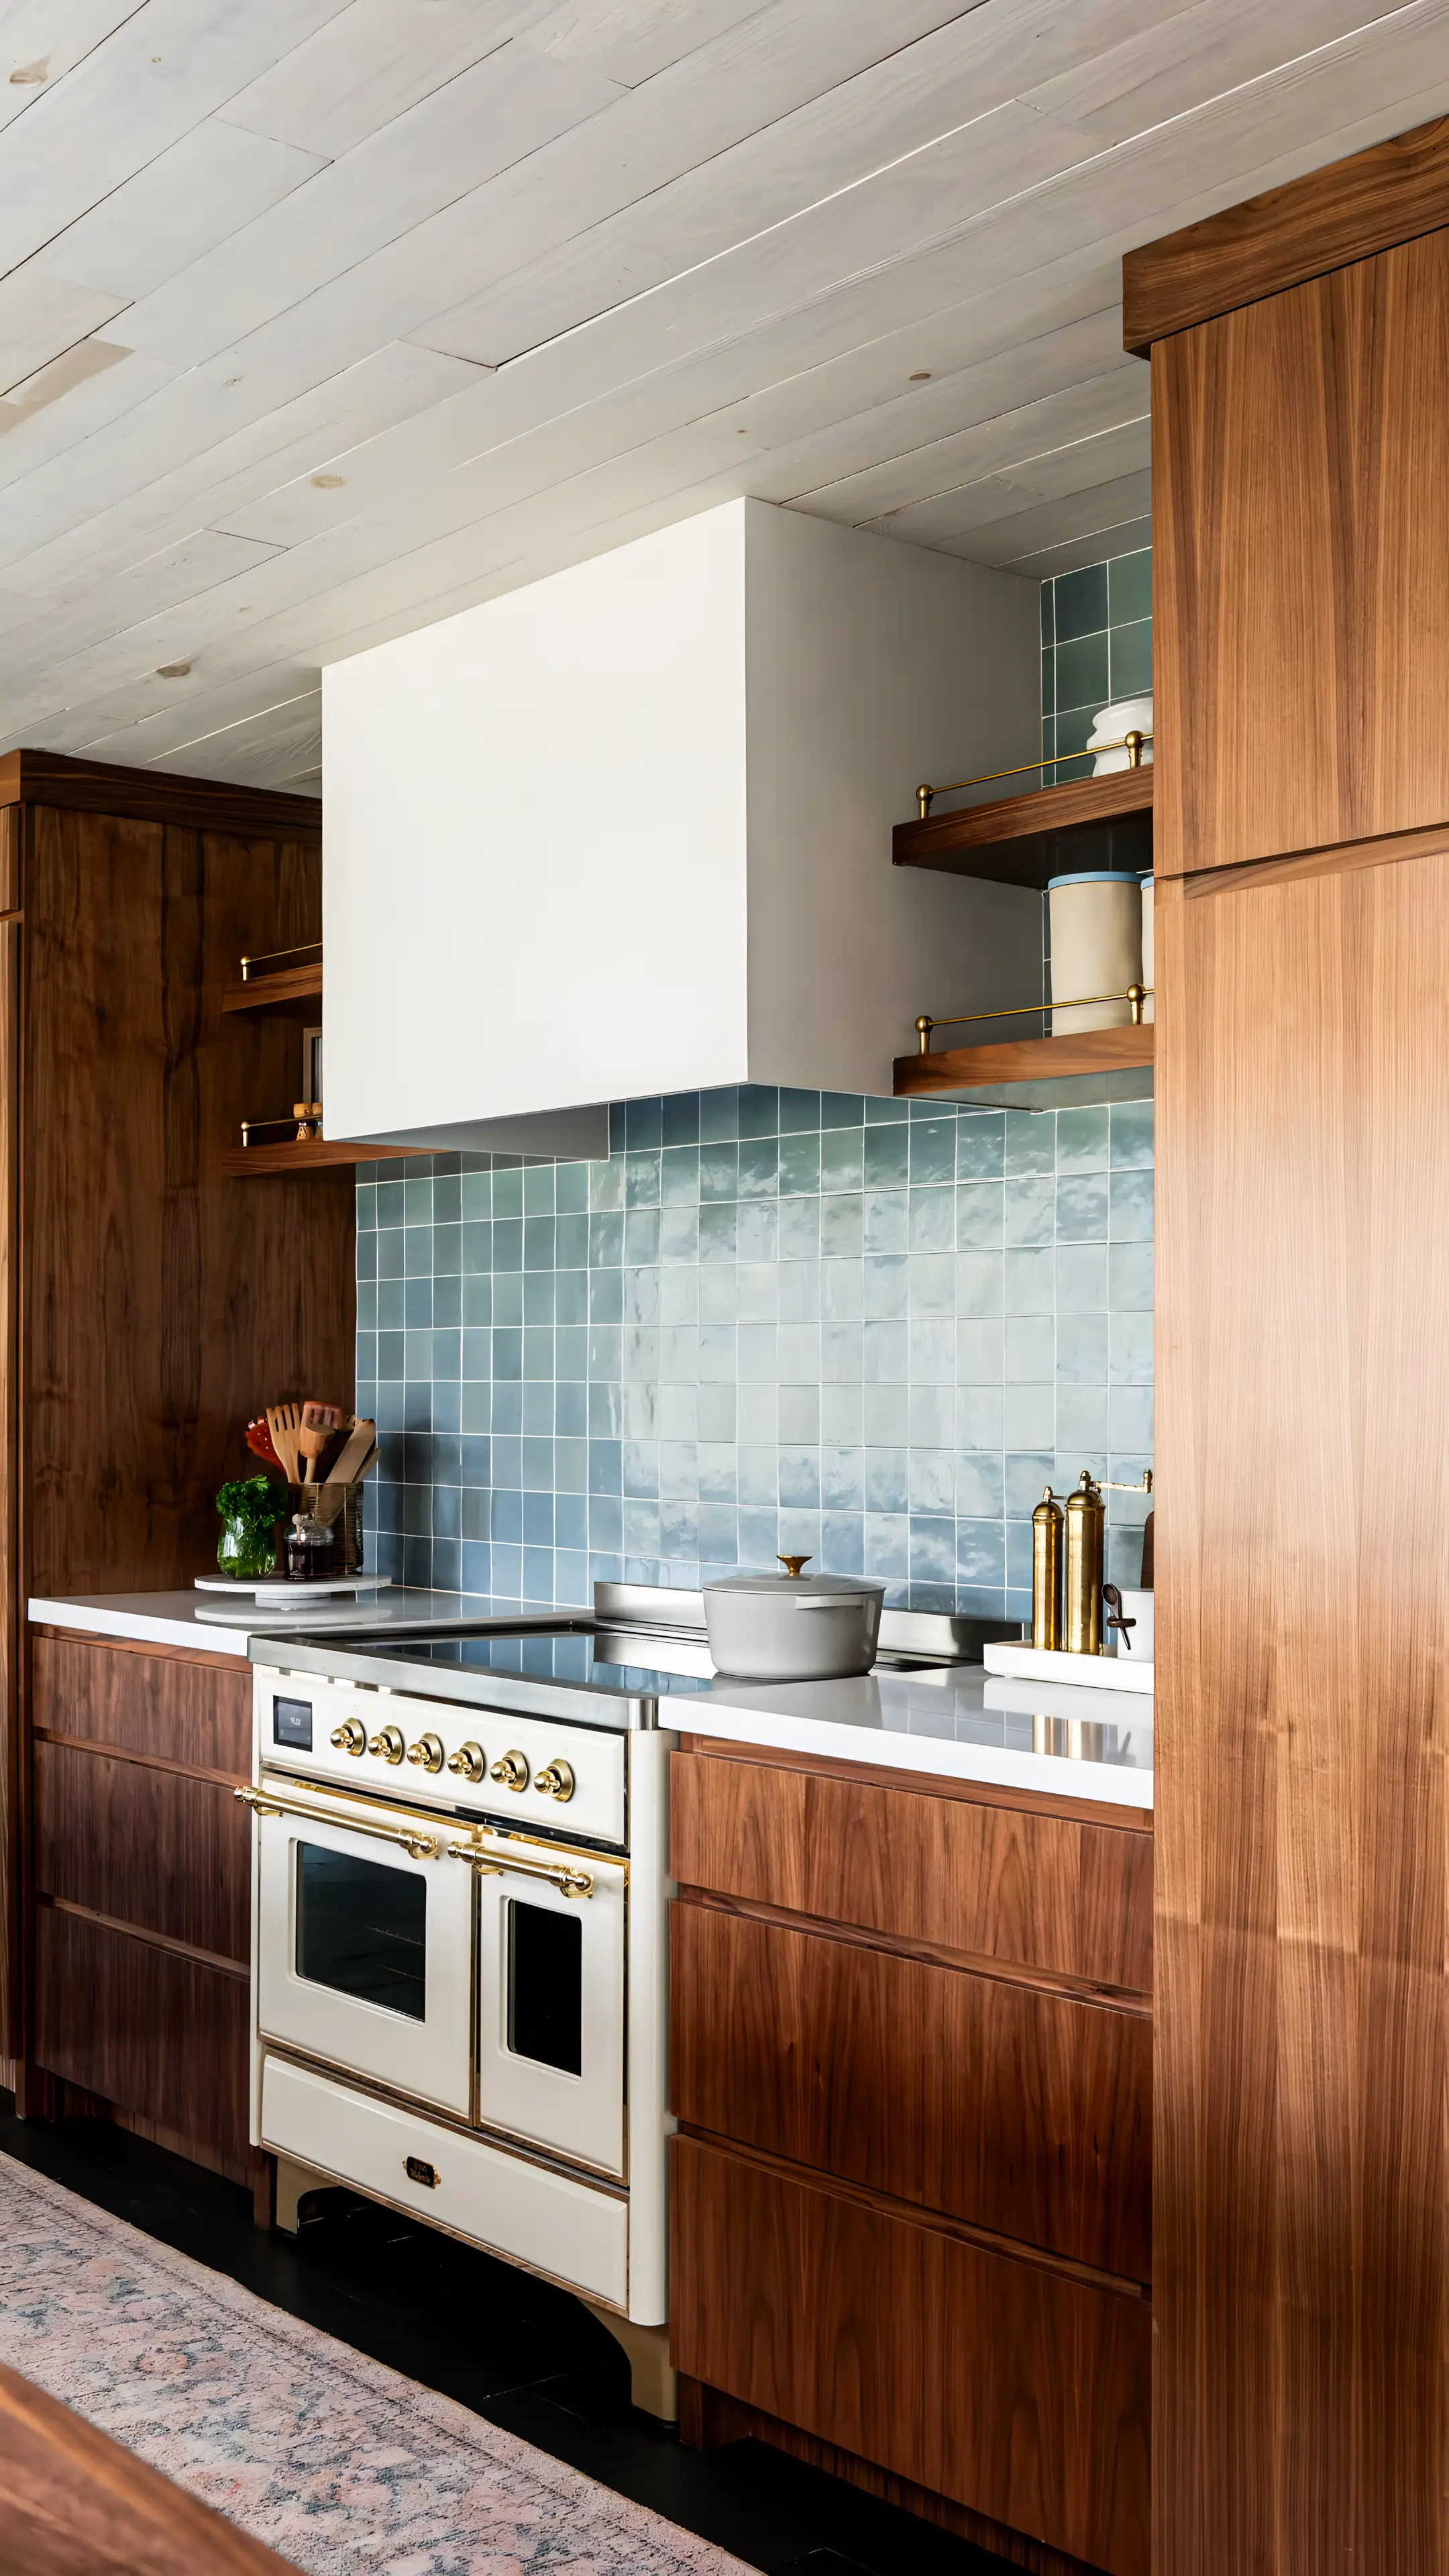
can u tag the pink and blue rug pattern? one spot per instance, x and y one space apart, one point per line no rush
335 2462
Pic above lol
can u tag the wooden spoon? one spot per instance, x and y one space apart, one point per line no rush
320 1423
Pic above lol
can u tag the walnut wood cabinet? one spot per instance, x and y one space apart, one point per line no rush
142 1888
148 1306
1301 2173
911 2060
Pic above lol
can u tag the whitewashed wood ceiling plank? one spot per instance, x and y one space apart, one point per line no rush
442 150
444 456
1087 463
1177 60
305 437
42 40
169 64
1123 537
203 189
795 49
70 401
163 715
1103 508
1079 409
914 102
41 316
634 40
372 62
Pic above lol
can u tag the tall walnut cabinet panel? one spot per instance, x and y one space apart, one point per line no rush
150 1306
1301 2190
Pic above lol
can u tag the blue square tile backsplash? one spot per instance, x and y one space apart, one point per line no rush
869 1330
771 1321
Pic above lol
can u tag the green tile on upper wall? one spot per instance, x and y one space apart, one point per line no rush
1080 604
1129 587
1131 659
1082 678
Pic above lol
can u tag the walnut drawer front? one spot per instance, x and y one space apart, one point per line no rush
180 1708
1068 1898
162 1850
1006 2385
158 2032
1020 2111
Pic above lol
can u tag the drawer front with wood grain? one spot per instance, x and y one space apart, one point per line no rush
155 1848
181 1709
145 2027
1007 2386
1019 2111
1052 1893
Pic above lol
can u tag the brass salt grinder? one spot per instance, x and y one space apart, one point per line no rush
1046 1573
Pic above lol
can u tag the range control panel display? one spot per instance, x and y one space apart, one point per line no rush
292 1723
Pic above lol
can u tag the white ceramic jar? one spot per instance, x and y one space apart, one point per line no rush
1111 725
1096 946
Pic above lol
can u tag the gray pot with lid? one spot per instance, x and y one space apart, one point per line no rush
792 1627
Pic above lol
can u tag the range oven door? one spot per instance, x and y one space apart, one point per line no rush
552 1997
364 1944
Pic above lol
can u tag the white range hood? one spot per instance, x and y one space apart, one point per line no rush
627 831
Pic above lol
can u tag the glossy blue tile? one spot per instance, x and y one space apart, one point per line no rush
883 1319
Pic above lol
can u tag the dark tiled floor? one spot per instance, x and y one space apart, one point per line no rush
525 2356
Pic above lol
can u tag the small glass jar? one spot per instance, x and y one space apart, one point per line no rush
310 1545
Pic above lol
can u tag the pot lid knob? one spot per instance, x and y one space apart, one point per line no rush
794 1566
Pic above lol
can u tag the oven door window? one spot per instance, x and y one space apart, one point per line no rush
546 1986
552 2019
362 1929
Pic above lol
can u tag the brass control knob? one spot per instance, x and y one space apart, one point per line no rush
388 1742
556 1779
427 1753
511 1772
470 1761
350 1736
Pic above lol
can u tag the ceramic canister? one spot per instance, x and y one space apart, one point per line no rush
1096 944
1111 724
1149 1009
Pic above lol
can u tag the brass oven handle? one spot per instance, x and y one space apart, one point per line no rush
262 1803
491 1864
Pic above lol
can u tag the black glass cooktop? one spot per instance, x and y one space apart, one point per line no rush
581 1661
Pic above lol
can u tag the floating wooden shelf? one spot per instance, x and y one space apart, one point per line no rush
318 1154
1034 1060
294 995
1022 840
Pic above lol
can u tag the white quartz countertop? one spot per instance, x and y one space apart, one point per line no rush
961 1725
188 1618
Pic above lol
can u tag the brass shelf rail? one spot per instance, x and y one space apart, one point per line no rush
311 948
1135 995
1132 743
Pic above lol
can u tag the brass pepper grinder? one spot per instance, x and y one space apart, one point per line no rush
1086 1537
1046 1573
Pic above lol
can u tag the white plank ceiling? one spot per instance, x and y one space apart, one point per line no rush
320 319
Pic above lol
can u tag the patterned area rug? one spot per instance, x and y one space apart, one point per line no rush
338 2464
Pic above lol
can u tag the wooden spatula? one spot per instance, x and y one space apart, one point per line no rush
347 1466
320 1424
284 1421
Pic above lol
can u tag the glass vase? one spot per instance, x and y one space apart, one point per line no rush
246 1549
